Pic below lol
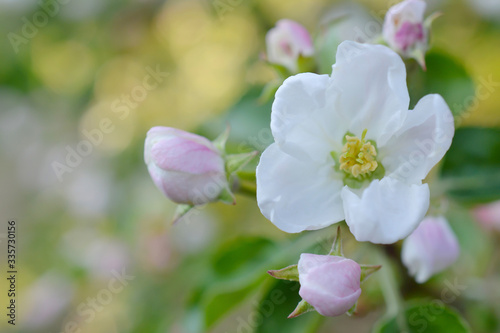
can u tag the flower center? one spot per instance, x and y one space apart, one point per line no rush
358 156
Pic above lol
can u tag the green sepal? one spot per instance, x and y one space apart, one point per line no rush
428 21
247 175
367 270
419 56
227 197
180 211
352 310
220 142
379 39
237 161
306 64
282 71
290 273
337 244
302 307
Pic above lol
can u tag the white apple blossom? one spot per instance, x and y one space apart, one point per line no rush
347 147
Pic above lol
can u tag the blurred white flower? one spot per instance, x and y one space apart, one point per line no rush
88 191
486 8
195 232
430 249
105 256
100 256
45 300
488 215
347 147
156 250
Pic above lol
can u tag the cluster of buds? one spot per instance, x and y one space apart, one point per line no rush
405 30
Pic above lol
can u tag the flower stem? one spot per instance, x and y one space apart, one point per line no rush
316 325
393 299
246 188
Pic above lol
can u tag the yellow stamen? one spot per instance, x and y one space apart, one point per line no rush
358 156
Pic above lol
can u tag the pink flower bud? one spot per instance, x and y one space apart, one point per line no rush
430 249
405 31
488 215
186 167
286 42
329 283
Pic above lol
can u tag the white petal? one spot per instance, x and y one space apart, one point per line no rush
430 249
297 195
302 122
386 211
415 259
370 84
409 10
421 143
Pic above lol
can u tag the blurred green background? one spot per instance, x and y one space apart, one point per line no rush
60 78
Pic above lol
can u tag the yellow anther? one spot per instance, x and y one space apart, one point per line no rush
358 156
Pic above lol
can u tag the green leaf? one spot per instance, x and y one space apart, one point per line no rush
482 316
471 169
242 255
426 317
238 269
445 76
279 301
225 300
